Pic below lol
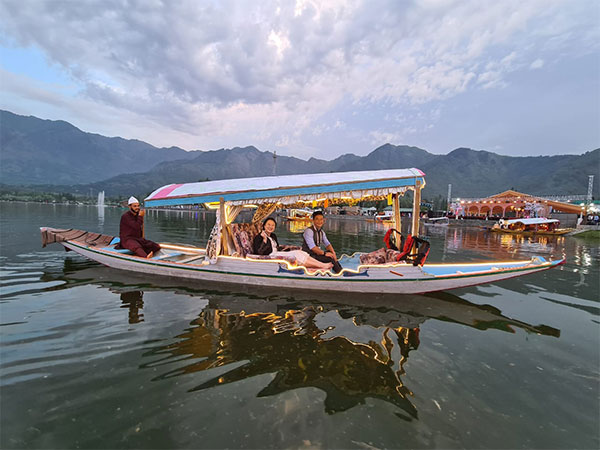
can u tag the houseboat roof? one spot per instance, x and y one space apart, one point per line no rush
289 189
531 221
438 219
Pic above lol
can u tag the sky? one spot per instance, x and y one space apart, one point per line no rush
311 78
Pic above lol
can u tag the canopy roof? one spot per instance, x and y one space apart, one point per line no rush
288 189
531 221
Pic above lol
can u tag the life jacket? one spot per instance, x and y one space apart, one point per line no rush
411 248
390 239
317 237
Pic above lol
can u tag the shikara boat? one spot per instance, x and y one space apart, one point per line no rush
227 257
299 215
436 222
530 226
383 217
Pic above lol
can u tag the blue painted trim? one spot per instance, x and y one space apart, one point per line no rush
274 193
118 250
364 273
294 271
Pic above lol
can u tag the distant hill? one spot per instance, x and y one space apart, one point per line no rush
36 151
480 173
65 158
251 162
472 173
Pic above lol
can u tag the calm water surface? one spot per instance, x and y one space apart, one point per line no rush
96 358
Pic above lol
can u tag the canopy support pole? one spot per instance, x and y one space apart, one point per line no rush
416 208
397 219
223 225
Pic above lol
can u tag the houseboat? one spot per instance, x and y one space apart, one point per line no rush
530 226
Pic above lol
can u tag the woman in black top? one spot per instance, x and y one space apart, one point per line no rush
266 243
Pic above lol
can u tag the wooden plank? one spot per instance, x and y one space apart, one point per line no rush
190 259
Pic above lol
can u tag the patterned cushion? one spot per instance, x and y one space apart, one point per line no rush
376 257
243 236
391 256
245 243
381 256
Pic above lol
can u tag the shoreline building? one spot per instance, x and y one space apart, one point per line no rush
513 204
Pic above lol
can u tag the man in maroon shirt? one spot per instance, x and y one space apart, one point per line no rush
131 231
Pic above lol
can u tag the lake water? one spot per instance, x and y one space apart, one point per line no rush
96 358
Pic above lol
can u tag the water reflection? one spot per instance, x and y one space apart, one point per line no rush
101 217
292 345
134 301
465 241
352 351
298 226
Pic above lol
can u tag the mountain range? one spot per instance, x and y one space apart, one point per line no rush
55 155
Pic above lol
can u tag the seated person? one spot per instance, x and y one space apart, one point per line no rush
131 232
266 243
314 238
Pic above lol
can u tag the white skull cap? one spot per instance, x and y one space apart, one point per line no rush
132 200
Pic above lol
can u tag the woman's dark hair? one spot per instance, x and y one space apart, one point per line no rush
267 219
317 213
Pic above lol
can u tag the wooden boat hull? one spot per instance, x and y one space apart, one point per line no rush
399 278
559 232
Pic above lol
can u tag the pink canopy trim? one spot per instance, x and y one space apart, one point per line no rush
163 193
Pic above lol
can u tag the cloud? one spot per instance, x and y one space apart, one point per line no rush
269 71
537 64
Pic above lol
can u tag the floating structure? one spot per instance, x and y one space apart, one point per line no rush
299 215
531 226
512 203
436 222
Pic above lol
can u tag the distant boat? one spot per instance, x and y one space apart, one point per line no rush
436 222
385 216
299 215
531 226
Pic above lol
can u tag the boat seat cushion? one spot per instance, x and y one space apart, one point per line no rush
381 256
118 250
243 234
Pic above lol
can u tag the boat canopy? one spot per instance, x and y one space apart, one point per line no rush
531 221
289 189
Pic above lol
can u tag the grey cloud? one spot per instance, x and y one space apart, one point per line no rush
13 84
182 62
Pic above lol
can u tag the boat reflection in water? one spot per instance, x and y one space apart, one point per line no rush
134 301
301 352
352 348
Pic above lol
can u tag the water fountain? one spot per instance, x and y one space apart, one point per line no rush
101 209
101 199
